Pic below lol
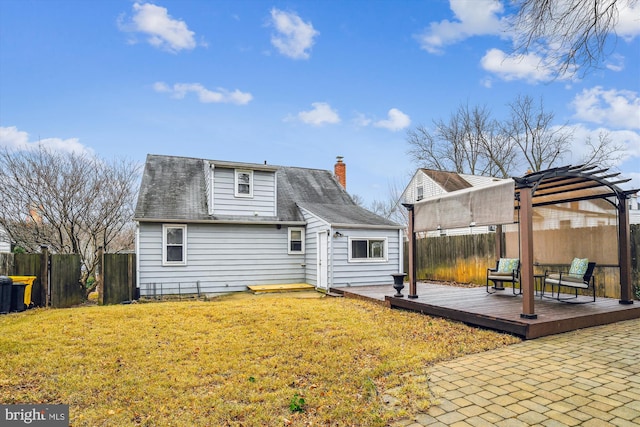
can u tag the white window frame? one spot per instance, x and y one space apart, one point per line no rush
165 244
302 241
385 249
237 183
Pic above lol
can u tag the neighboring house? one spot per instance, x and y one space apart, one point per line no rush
5 244
427 183
634 209
223 226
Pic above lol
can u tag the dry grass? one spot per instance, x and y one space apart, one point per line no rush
244 360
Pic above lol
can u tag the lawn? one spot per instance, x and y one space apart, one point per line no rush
264 360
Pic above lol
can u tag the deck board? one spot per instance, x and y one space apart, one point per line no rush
500 311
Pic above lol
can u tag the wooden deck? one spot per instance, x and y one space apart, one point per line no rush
500 311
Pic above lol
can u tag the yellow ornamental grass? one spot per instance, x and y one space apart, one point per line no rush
263 360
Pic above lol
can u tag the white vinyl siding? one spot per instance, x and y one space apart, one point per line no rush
366 272
225 202
343 273
174 245
222 258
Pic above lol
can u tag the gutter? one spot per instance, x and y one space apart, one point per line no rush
219 221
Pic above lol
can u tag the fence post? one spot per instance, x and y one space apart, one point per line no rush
45 289
99 275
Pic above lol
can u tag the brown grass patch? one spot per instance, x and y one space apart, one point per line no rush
230 361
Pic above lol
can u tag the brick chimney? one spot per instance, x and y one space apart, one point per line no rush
340 171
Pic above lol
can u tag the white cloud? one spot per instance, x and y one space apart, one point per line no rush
206 96
627 139
321 114
361 120
531 67
14 139
614 108
473 18
162 30
294 38
397 120
615 62
628 26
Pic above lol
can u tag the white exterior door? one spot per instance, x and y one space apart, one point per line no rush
323 261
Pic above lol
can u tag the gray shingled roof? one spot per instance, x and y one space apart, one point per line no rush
174 188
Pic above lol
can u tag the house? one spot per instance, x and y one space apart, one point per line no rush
219 227
427 183
5 244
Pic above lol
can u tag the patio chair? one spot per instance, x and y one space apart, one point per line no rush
506 270
579 276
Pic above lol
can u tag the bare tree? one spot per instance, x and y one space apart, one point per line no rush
470 142
531 129
73 203
604 153
574 33
459 145
391 208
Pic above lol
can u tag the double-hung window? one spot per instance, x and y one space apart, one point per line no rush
367 249
174 244
296 240
243 183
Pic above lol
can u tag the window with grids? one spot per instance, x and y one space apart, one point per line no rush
296 240
367 249
244 183
174 247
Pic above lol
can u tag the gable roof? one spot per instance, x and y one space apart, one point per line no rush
174 189
449 181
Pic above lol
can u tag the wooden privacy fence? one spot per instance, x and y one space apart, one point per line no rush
119 278
58 282
465 258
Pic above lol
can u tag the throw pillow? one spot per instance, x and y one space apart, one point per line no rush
507 265
578 267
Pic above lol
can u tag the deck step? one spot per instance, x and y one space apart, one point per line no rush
288 287
334 294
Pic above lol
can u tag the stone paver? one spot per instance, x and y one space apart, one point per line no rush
589 377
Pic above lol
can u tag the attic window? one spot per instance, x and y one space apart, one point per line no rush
420 193
244 183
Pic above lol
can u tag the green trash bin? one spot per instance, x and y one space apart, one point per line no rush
17 297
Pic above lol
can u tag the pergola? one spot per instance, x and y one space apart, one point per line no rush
542 188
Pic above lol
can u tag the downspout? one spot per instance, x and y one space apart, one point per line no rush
330 240
137 254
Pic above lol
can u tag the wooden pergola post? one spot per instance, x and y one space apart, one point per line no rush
624 253
526 253
499 250
413 288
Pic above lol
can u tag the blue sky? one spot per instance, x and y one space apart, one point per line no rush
293 83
